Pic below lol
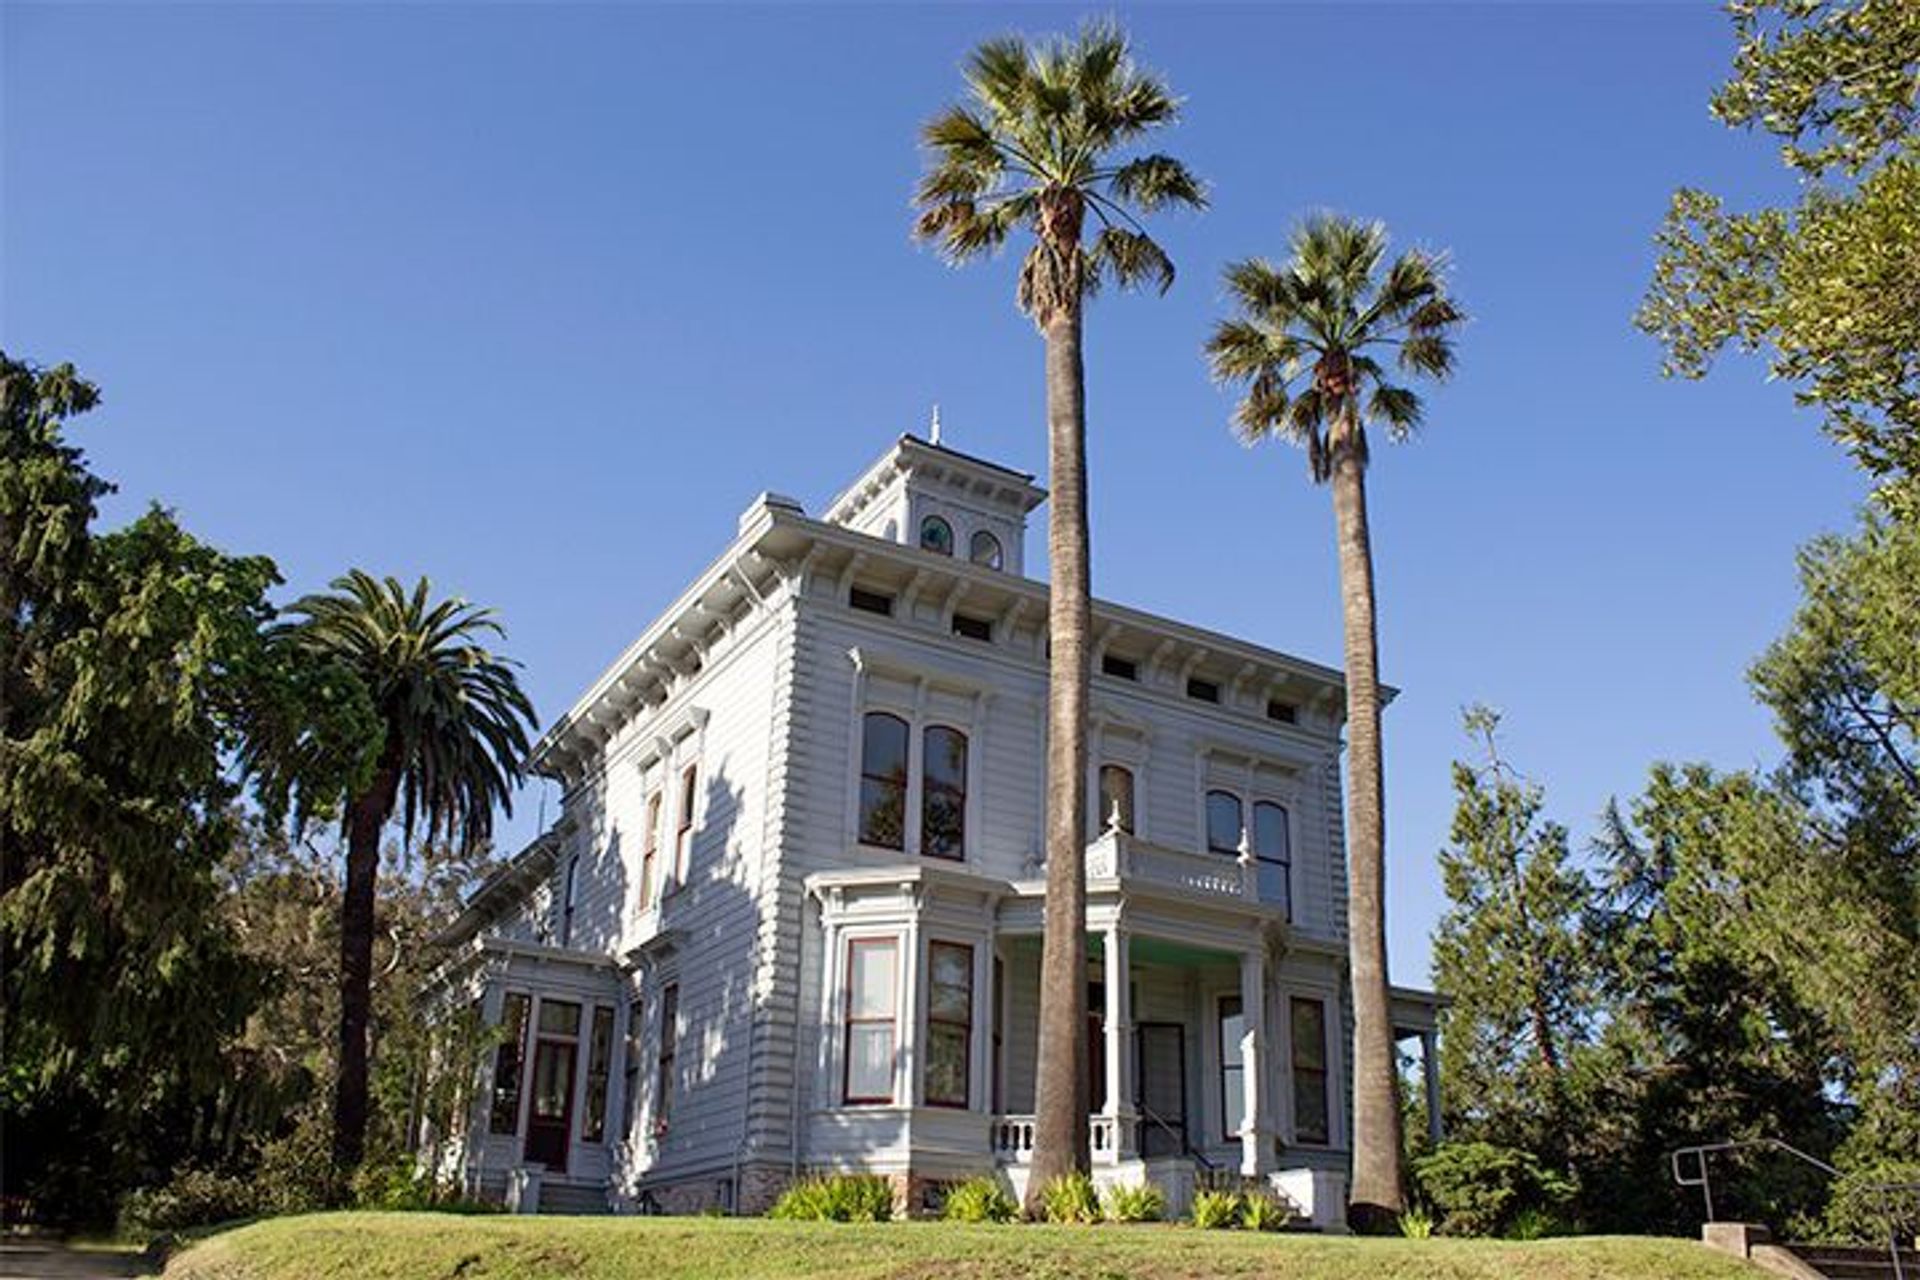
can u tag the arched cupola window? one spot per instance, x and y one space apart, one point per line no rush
936 535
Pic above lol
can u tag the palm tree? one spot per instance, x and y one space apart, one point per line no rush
453 734
1309 343
1035 150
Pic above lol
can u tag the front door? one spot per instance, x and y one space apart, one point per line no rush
1162 1088
551 1116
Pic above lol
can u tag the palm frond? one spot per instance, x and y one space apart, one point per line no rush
1153 182
1130 259
454 719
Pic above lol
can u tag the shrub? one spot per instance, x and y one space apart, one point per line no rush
1139 1203
1217 1210
1070 1198
193 1198
1263 1211
979 1200
1477 1188
840 1197
1416 1224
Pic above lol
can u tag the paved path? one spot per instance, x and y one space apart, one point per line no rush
45 1260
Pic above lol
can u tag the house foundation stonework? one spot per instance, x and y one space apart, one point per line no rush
789 919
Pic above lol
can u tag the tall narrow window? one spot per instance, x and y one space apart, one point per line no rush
984 549
630 1068
949 1023
943 794
1223 823
1273 860
869 1020
669 1046
650 851
570 884
1233 1068
883 781
593 1127
504 1115
936 535
1311 1122
1116 797
683 838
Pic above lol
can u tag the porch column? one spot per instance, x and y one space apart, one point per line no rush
1253 1060
1119 1029
1430 1071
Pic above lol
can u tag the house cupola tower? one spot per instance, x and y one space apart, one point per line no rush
923 494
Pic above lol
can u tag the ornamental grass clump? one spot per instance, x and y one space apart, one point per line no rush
1217 1210
1263 1211
979 1200
840 1197
1140 1203
1070 1198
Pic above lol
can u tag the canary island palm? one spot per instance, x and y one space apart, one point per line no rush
1036 149
453 734
1317 344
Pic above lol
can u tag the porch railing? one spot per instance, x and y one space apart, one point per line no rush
1012 1138
1119 856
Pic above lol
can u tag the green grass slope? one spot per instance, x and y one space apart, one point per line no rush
374 1246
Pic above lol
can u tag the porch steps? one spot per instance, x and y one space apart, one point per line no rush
1851 1262
576 1199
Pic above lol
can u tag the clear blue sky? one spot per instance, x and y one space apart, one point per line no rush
534 300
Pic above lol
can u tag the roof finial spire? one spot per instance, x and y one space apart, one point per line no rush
933 430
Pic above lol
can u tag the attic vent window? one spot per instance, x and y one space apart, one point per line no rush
1284 712
1119 668
973 628
936 535
1203 690
871 602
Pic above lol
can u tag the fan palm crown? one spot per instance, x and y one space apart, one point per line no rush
1313 336
1036 149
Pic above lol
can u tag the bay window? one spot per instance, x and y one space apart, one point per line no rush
869 1024
949 1023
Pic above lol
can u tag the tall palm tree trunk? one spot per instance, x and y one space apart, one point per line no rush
1060 1108
366 817
1376 1197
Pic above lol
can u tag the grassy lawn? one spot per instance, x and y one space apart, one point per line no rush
374 1246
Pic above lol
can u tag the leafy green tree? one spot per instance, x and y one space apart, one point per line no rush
1830 286
1705 1038
1510 954
1038 149
1308 343
1844 686
131 664
451 739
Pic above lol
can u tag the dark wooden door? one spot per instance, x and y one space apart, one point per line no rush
1161 1087
550 1118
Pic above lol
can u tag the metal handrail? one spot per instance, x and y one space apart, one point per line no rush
1186 1144
1703 1179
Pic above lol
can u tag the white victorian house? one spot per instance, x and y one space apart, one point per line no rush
789 919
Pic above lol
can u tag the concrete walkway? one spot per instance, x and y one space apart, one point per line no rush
50 1260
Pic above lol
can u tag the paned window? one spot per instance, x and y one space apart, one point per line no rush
883 781
949 1023
1311 1122
870 1020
